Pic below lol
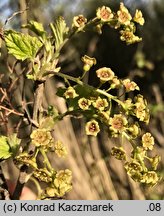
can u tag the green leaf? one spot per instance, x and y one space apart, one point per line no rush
59 30
36 27
14 143
60 91
4 148
22 46
85 91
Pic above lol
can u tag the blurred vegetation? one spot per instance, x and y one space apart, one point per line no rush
143 62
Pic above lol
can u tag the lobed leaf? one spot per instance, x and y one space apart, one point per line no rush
4 148
36 27
59 30
22 46
14 143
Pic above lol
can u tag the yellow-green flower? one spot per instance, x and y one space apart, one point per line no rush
60 149
139 99
41 137
123 14
148 141
118 123
118 153
105 74
62 182
25 158
70 93
115 82
138 153
51 192
128 105
150 178
43 175
134 130
104 14
88 62
129 37
155 161
138 17
92 128
130 85
104 116
84 103
100 103
79 21
133 165
141 111
130 28
62 178
134 170
142 114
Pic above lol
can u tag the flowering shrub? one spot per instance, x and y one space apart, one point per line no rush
40 54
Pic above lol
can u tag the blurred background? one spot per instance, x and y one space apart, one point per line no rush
97 175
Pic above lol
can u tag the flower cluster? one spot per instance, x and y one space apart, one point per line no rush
58 182
122 20
136 167
139 174
96 105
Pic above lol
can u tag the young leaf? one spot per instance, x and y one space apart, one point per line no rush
14 143
4 148
22 46
36 27
59 30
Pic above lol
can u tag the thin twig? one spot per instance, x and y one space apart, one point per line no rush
11 111
15 14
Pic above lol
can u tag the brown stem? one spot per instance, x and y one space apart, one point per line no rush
4 193
23 16
22 179
25 173
38 101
